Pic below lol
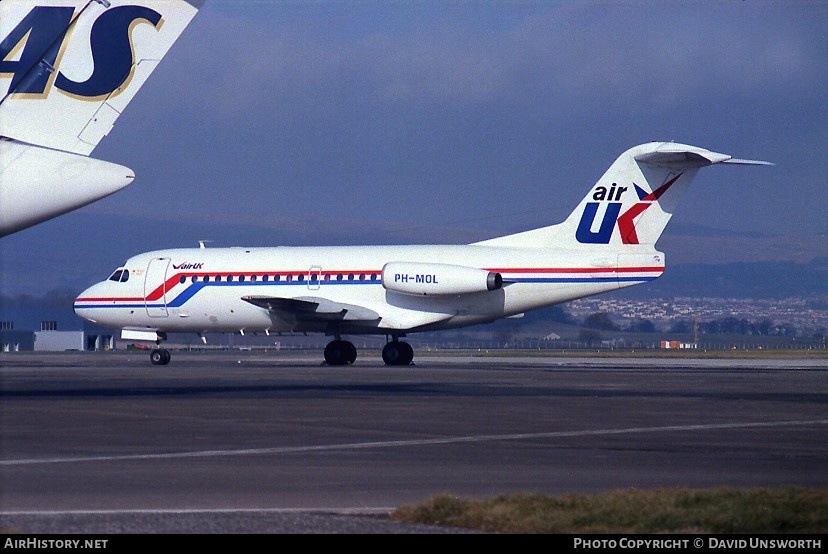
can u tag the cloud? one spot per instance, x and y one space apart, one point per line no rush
315 123
552 56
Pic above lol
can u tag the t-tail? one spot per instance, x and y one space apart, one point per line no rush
629 207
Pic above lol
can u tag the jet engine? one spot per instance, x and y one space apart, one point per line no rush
427 279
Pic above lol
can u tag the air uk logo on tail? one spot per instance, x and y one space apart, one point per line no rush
612 214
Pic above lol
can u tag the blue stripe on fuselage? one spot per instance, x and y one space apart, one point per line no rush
194 288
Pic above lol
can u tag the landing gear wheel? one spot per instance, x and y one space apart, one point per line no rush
160 356
340 352
397 353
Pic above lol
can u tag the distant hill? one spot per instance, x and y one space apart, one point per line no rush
738 280
692 244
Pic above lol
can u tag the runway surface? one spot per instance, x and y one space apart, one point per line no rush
247 442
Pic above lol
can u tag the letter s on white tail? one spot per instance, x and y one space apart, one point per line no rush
68 68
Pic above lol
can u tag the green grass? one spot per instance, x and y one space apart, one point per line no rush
723 510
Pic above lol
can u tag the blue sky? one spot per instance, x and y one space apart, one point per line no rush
363 122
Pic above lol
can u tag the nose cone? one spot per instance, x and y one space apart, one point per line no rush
89 303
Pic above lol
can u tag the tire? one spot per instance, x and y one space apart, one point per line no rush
350 352
160 356
397 353
407 353
340 352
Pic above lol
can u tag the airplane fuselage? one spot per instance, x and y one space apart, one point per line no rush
607 242
37 184
370 289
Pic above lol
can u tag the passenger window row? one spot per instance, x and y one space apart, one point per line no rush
300 277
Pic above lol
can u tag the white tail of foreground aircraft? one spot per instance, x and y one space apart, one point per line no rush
68 68
607 243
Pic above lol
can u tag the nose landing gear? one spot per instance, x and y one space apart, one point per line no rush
160 356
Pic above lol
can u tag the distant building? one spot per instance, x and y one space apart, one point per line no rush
59 341
16 341
49 339
677 344
99 341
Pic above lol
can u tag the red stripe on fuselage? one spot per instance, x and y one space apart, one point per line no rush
646 269
158 292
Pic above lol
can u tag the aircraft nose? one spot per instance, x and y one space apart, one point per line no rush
86 302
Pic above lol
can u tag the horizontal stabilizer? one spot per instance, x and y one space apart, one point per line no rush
682 156
737 161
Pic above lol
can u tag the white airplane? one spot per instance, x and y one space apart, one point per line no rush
68 68
607 243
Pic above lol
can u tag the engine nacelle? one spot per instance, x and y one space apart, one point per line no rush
426 279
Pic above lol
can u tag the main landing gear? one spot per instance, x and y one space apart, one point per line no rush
397 352
340 352
343 352
160 356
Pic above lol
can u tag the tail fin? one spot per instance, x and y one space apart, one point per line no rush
68 68
631 204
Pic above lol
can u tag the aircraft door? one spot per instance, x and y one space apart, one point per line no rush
155 287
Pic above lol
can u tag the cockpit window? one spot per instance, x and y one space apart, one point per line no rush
120 276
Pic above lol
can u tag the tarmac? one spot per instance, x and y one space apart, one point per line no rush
252 442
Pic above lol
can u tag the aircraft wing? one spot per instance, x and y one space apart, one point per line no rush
313 308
